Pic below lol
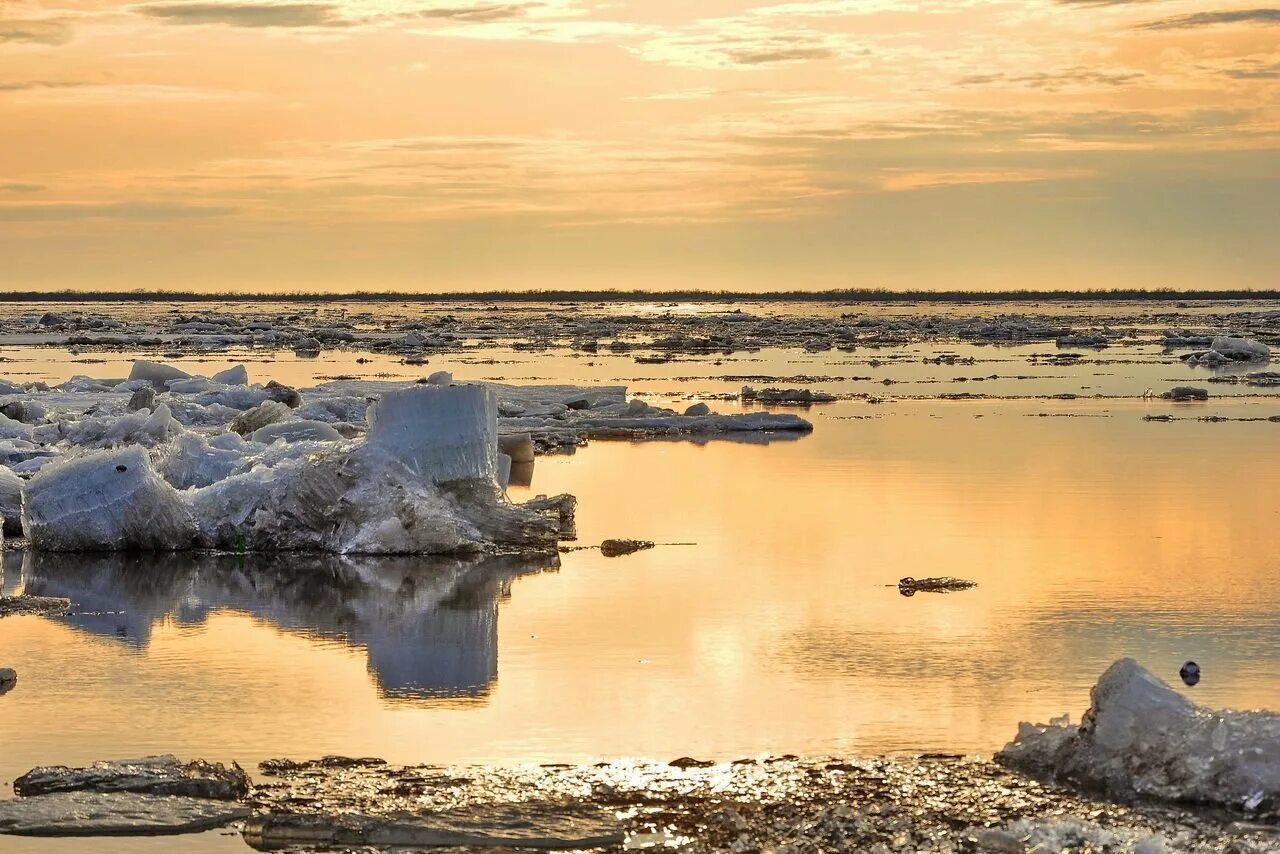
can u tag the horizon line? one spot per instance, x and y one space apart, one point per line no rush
851 295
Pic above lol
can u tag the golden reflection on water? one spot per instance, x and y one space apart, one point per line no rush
779 630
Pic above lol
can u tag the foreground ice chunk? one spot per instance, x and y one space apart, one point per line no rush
11 429
295 430
194 385
11 502
150 775
359 500
156 373
524 827
440 433
267 412
146 428
123 814
107 501
1142 738
190 462
237 375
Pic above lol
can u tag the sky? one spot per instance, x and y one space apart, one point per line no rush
447 145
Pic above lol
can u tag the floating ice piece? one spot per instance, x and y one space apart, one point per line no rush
11 502
332 410
11 429
235 396
1184 393
143 398
517 446
156 373
11 606
698 409
238 375
143 428
252 420
26 411
498 826
360 500
190 462
193 385
124 814
1240 349
106 501
283 394
618 548
295 430
1142 738
786 395
150 775
1068 834
1083 339
440 433
946 584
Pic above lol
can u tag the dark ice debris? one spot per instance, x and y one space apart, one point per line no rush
617 548
152 775
945 584
12 606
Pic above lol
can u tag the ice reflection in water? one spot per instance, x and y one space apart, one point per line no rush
428 625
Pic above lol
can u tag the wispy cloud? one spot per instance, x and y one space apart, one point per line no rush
132 210
35 31
28 85
897 181
246 14
1209 19
307 15
1055 81
21 187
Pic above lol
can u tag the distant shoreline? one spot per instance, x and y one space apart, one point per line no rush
867 295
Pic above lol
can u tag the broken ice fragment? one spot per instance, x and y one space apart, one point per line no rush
110 500
1142 738
156 373
441 433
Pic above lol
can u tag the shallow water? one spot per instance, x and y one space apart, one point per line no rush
768 621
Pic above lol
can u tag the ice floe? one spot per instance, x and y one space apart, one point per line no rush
1141 738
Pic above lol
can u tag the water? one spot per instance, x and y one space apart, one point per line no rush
770 624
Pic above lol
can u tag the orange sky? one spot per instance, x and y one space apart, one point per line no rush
448 144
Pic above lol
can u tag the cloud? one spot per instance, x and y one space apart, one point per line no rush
1053 81
902 180
1254 70
1209 19
42 31
302 15
246 14
20 187
481 14
134 210
28 85
1101 2
792 54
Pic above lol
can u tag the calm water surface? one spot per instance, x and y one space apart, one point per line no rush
771 624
